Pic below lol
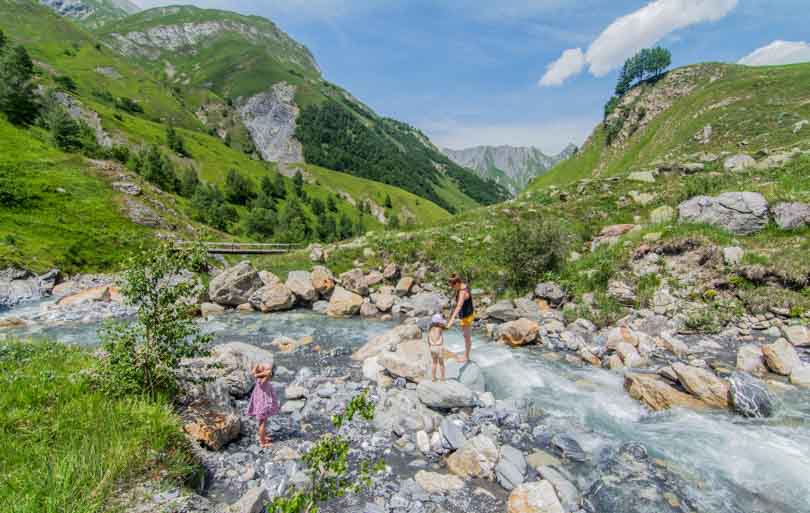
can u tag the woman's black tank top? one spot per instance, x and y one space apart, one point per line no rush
467 308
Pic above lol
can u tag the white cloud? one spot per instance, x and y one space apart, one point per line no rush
645 27
551 136
570 63
778 52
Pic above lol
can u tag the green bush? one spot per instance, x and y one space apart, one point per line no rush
530 250
239 189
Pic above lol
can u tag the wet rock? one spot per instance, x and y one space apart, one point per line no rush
438 484
320 307
300 284
369 310
344 303
536 497
551 292
657 394
452 435
519 332
101 294
566 491
234 285
703 384
750 360
477 458
569 448
211 309
322 280
738 162
781 357
511 468
390 339
742 213
468 374
275 297
210 424
801 376
750 397
354 281
445 395
791 216
797 334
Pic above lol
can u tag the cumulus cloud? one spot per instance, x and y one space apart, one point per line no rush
570 63
640 29
778 52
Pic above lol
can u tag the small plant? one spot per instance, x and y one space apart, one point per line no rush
66 83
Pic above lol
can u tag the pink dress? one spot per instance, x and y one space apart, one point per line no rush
263 401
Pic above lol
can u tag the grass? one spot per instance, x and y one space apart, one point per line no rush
67 447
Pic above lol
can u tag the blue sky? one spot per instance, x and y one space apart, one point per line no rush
468 72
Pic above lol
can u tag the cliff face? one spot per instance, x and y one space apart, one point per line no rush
92 13
511 166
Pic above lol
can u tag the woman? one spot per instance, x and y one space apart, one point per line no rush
464 311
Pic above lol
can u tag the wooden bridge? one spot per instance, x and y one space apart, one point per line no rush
240 248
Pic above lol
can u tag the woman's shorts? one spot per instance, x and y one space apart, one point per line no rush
466 322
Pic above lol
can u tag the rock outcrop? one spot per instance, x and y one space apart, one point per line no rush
235 285
742 213
270 117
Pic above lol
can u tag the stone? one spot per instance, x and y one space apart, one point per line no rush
234 285
344 303
391 272
317 253
369 310
452 436
268 278
620 334
101 294
468 373
642 176
750 360
374 278
741 213
621 292
372 369
253 501
245 308
300 284
404 286
445 395
551 292
422 304
275 297
797 334
674 345
615 363
733 255
609 235
569 448
510 471
411 360
322 280
127 188
211 309
210 424
703 384
519 332
797 127
781 357
320 307
690 168
792 216
566 491
354 281
642 198
388 340
438 484
801 376
739 162
503 311
657 394
540 458
704 135
535 497
630 356
477 458
423 441
749 396
589 357
292 406
383 302
662 215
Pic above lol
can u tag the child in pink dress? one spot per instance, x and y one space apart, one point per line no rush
263 401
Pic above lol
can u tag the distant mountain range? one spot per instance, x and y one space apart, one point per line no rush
511 166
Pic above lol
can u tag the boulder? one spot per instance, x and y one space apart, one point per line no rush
210 424
535 497
211 309
423 304
510 471
566 491
452 435
621 292
750 397
317 253
411 360
791 216
801 376
738 162
354 281
662 215
569 447
445 395
101 294
750 360
404 286
369 310
438 484
383 302
551 292
387 341
476 458
253 501
275 297
540 458
503 311
519 332
268 278
400 410
374 278
657 394
372 369
391 272
781 357
741 213
344 303
703 384
609 235
320 307
733 255
322 280
300 284
234 285
797 334
630 356
642 176
468 374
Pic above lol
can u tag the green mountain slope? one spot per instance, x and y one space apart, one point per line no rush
92 13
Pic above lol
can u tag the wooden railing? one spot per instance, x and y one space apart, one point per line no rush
240 248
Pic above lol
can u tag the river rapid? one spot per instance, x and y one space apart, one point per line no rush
723 463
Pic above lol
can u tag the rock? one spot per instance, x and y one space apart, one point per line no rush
468 374
423 441
300 284
374 278
102 294
630 357
388 340
354 281
411 360
253 501
589 357
750 360
797 335
642 198
551 292
742 213
320 307
664 302
317 253
791 216
290 407
801 376
293 392
703 384
642 176
404 286
622 334
510 471
503 311
797 127
269 117
127 188
211 309
662 215
540 458
275 297
322 280
245 308
750 397
569 448
400 410
446 395
704 135
452 436
657 394
733 255
369 310
210 424
610 234
372 369
344 303
621 292
383 302
519 332
438 484
739 162
268 278
566 491
423 304
690 168
391 272
234 285
477 458
536 497
615 363
781 357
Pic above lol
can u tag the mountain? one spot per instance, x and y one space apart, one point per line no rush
511 166
92 13
278 103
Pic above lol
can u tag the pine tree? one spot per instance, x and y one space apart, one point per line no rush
388 202
189 181
393 222
331 204
175 142
65 131
345 227
159 170
17 96
292 222
280 190
317 207
3 40
261 222
298 184
238 188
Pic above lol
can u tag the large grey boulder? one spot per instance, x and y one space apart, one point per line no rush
477 458
275 297
551 292
445 395
468 374
738 162
790 216
344 303
354 281
423 304
750 397
452 435
300 283
511 468
235 285
387 341
742 213
503 311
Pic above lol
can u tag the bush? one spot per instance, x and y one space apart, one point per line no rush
176 143
18 100
238 188
260 223
529 250
129 105
208 206
143 355
66 83
157 168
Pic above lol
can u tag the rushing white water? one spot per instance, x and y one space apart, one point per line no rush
729 464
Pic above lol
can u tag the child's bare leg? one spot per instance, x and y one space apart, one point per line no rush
262 433
441 366
433 370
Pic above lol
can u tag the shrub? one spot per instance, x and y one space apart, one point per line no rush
66 83
157 168
176 143
261 223
18 100
208 206
529 250
129 105
238 188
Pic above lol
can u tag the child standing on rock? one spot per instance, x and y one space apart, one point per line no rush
263 401
435 339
